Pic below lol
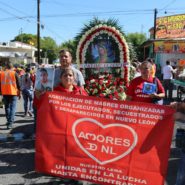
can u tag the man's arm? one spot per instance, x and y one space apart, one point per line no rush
17 81
80 78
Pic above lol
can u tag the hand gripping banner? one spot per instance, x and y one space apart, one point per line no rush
103 141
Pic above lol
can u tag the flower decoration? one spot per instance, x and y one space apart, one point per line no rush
106 86
111 31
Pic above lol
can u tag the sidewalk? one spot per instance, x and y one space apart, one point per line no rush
17 154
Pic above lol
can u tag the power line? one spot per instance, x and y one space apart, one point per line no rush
173 1
75 14
126 12
19 11
29 18
53 32
15 16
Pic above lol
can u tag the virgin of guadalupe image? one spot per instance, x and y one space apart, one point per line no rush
102 54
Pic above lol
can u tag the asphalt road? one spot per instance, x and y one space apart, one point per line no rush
17 155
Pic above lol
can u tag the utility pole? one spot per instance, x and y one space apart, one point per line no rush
155 17
20 34
38 31
154 37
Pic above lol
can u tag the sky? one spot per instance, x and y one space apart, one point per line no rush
63 20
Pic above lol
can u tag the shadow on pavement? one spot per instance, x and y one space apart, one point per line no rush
27 130
3 128
34 177
2 115
17 157
24 121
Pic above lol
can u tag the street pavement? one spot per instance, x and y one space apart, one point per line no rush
17 154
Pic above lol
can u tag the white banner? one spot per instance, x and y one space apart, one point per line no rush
102 65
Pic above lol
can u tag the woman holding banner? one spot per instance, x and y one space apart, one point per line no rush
67 84
145 88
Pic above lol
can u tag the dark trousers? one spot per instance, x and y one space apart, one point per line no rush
168 87
181 171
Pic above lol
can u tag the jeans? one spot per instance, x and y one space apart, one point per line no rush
181 171
10 102
28 100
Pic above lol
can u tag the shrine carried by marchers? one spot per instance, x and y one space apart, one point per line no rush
104 59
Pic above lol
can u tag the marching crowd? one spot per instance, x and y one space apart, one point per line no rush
145 87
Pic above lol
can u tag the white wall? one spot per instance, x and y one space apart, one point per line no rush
172 57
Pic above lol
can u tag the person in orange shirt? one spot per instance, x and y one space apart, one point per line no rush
10 89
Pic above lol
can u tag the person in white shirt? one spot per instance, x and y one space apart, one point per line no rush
167 80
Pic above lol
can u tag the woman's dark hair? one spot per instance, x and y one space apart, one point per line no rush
27 70
27 75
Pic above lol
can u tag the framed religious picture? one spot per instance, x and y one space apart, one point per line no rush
103 52
103 49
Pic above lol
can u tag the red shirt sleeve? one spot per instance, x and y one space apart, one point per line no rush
160 87
131 88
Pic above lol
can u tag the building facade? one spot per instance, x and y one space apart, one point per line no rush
169 42
17 52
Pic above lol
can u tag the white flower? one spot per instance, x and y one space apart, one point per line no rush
108 91
95 91
92 81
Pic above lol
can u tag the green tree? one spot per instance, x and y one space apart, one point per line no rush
49 48
47 45
26 38
136 40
